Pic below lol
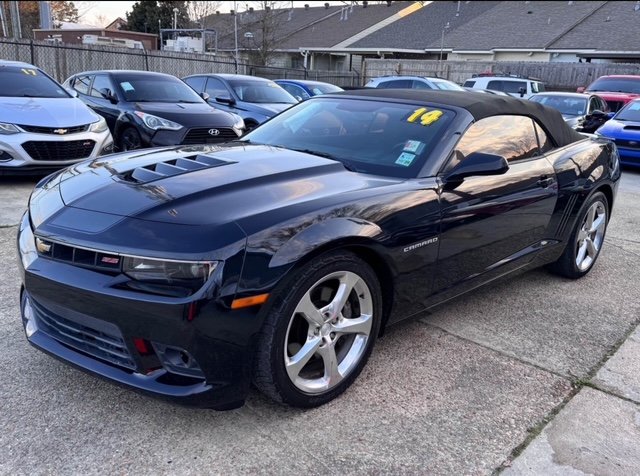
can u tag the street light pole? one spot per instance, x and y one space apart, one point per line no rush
235 30
445 28
175 18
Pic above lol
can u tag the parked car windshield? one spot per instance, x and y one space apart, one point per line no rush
151 88
631 112
261 92
567 105
377 137
18 82
622 85
324 88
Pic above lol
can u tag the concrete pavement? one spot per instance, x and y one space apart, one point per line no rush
518 376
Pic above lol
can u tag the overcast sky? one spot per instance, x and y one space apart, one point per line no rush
112 10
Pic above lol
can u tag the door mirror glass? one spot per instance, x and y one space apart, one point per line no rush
478 163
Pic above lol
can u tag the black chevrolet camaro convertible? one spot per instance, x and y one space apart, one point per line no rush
191 272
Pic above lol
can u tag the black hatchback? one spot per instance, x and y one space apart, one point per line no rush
145 109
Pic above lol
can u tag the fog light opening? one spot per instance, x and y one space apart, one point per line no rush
5 156
30 323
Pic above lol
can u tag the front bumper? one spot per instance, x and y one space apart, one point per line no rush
17 157
77 316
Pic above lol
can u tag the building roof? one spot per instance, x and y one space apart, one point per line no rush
613 27
518 25
424 26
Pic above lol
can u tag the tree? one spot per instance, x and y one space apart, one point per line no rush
200 12
267 32
145 14
30 15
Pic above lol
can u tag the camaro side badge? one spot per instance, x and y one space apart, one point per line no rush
430 241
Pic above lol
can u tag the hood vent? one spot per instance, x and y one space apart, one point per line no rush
171 168
631 128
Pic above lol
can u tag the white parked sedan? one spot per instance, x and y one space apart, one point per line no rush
43 126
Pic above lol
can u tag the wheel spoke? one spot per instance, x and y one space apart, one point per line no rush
357 325
582 252
296 363
592 251
591 215
597 223
310 312
347 283
331 372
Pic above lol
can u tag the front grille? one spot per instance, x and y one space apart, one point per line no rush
628 144
108 346
79 256
55 130
63 150
202 135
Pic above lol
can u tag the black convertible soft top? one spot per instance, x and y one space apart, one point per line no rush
482 105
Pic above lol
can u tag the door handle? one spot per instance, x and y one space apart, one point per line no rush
545 181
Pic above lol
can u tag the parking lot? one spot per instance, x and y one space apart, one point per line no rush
461 390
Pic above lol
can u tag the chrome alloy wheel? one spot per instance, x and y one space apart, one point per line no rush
589 238
328 332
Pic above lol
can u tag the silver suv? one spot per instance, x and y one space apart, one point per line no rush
412 82
517 86
43 126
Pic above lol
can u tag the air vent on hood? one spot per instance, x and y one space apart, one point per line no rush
172 167
631 128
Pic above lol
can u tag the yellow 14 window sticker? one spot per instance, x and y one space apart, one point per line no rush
426 116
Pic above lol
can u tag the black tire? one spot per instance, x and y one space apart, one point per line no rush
270 375
567 265
129 139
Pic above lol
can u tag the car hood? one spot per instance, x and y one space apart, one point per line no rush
46 112
198 114
621 129
231 184
615 95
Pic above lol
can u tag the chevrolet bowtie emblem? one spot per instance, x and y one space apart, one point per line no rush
60 131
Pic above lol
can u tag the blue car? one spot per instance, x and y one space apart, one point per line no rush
252 98
303 89
624 130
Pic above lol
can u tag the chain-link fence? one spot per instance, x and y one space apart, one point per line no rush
61 61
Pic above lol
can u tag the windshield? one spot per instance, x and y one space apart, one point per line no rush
621 85
567 105
261 92
446 85
631 112
376 137
139 88
18 82
324 89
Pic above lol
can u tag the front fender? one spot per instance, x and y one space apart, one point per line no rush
319 234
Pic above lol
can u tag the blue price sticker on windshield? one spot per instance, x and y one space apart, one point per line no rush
126 86
405 159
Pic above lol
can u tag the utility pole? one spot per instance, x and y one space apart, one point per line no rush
235 31
15 19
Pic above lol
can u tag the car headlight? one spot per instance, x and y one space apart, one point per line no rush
155 122
190 274
99 126
238 126
7 129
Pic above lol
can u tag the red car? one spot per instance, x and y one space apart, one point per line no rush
617 90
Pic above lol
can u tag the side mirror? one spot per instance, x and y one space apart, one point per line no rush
610 115
205 96
522 91
478 163
226 100
299 98
580 89
107 94
73 92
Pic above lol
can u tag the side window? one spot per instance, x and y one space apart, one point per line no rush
512 137
496 85
593 105
81 84
602 104
216 88
514 86
101 82
396 83
543 139
196 83
295 91
420 85
469 84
